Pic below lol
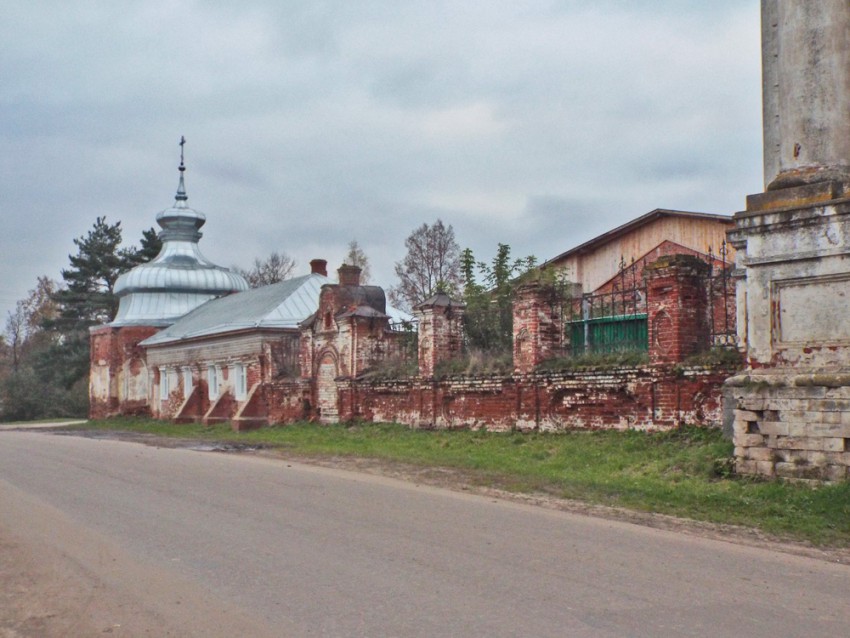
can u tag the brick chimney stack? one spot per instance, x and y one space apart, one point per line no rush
349 275
319 267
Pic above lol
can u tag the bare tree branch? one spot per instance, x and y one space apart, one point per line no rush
276 267
432 262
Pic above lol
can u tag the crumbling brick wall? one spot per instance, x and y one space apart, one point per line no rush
118 382
646 398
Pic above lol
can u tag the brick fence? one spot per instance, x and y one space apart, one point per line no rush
643 398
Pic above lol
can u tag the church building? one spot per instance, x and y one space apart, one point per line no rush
190 342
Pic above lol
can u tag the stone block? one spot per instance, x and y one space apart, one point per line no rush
831 417
786 470
783 455
766 468
798 443
799 429
744 466
831 430
752 403
835 472
834 444
741 427
749 440
746 415
818 459
794 197
775 427
759 454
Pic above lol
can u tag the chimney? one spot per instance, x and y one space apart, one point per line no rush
349 275
319 267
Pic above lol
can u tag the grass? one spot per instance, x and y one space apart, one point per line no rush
682 473
626 358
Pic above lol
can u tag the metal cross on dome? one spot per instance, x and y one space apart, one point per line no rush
182 144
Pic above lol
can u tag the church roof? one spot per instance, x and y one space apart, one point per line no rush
281 305
179 278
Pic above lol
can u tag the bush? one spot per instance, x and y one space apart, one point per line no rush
392 368
26 396
476 362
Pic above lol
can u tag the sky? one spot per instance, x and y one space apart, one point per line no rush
309 124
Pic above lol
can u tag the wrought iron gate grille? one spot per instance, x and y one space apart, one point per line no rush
611 321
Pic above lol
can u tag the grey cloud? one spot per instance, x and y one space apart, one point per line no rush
311 123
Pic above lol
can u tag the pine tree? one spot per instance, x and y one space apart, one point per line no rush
149 247
87 296
86 299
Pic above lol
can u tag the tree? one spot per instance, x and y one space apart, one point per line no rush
432 263
24 394
24 326
276 267
87 298
149 247
15 335
61 364
356 257
488 321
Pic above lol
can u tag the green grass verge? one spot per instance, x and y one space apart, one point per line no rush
682 473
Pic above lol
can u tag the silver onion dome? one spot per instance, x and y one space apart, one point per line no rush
180 278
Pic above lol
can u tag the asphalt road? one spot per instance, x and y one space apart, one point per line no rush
216 544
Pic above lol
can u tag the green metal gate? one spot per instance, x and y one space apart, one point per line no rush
613 320
609 334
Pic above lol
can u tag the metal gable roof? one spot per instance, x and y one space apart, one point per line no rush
281 305
619 231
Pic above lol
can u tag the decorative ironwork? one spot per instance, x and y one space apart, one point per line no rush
613 320
408 337
721 300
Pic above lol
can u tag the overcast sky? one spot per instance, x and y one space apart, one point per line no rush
311 123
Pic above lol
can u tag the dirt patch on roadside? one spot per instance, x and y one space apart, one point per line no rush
459 479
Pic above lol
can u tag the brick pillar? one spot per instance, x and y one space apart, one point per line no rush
440 331
349 275
537 334
676 302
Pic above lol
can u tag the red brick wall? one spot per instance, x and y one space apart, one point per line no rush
290 400
644 398
676 300
537 333
112 348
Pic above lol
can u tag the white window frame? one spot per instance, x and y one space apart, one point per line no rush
213 374
188 384
164 389
240 381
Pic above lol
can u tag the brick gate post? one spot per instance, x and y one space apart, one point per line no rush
440 331
676 303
